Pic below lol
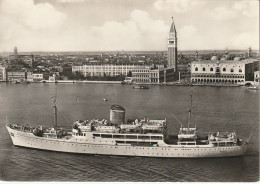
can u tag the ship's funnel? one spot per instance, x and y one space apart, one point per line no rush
117 114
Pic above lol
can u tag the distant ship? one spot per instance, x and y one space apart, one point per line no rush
141 87
254 87
139 137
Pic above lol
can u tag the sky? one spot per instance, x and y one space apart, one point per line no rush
130 25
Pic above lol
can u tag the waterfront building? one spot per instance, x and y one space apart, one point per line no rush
183 70
223 71
257 76
16 77
2 73
251 65
147 75
172 48
37 77
29 76
153 75
104 70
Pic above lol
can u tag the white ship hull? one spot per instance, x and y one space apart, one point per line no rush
82 146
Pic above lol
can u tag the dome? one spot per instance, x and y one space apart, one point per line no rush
237 59
214 58
117 107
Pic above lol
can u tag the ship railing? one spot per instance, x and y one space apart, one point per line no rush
128 136
151 128
128 126
187 143
222 144
181 132
23 128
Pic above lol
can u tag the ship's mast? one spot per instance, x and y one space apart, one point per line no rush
190 112
54 100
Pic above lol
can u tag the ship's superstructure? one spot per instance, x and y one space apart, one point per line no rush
139 137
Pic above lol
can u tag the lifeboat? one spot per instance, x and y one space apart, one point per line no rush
187 136
187 133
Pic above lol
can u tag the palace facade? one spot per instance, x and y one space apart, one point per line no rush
222 71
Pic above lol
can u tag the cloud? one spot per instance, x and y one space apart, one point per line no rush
222 13
26 13
140 32
178 6
22 20
245 39
46 26
247 8
71 1
188 30
187 37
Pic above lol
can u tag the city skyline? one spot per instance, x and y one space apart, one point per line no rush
84 25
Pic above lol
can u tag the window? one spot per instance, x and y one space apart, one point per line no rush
221 144
211 69
240 70
131 137
120 142
156 137
224 69
119 136
204 69
196 69
232 70
191 143
106 135
144 137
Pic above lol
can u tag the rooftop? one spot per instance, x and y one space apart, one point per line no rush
249 60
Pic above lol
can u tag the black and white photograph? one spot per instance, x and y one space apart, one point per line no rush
129 91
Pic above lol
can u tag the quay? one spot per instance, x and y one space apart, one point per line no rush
123 83
85 81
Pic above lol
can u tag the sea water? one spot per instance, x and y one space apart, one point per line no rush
213 109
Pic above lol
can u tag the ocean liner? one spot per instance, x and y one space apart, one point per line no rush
139 137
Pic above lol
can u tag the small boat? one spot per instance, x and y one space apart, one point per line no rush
141 87
104 99
253 88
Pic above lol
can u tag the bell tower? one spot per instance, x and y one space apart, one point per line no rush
172 47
